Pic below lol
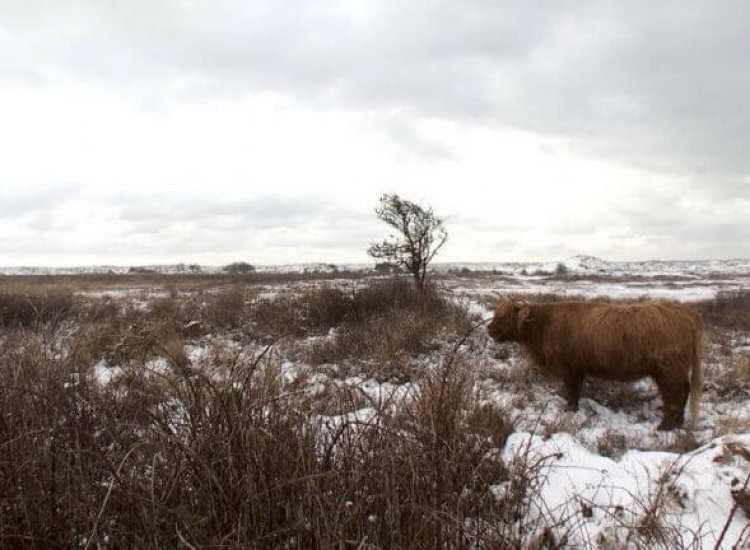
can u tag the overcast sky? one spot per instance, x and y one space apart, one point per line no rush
162 131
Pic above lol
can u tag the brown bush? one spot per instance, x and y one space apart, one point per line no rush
422 470
97 310
277 317
612 444
325 308
223 310
396 293
730 309
30 310
184 459
120 333
390 322
314 311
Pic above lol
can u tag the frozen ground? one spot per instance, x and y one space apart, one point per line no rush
588 266
683 291
597 496
605 468
600 500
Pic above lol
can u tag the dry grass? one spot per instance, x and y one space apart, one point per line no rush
612 444
729 310
622 396
387 324
732 424
732 376
228 453
180 281
185 458
562 423
684 442
32 309
652 530
312 312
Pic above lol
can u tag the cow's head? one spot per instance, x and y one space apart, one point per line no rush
509 321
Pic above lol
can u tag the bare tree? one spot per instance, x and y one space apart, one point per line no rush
420 235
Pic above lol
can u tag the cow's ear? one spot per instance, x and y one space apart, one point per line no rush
523 317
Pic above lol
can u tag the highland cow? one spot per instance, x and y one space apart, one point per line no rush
612 341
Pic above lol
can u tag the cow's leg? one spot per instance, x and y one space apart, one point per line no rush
572 384
674 392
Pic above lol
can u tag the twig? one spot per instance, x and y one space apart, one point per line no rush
183 540
731 516
93 535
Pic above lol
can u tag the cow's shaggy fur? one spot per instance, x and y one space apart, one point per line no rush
613 341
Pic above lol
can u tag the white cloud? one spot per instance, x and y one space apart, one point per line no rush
196 131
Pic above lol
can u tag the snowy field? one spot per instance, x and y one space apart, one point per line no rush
606 478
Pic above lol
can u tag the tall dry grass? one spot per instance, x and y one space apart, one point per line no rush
387 324
31 310
227 456
226 452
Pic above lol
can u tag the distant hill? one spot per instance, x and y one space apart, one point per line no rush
573 266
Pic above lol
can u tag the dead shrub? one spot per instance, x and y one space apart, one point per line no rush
623 396
389 323
561 423
312 312
385 340
684 442
189 458
491 423
730 309
393 294
652 528
63 439
742 498
277 317
224 310
324 308
734 423
423 470
98 310
129 333
520 505
30 310
732 375
612 444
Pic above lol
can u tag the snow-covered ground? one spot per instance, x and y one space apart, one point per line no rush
603 503
605 469
671 290
587 266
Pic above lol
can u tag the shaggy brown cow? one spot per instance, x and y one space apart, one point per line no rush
624 341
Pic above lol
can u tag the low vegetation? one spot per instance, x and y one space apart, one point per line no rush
729 310
225 454
32 310
113 433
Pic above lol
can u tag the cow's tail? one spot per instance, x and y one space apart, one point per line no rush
696 379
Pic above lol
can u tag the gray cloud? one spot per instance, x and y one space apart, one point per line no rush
662 86
34 201
268 211
163 228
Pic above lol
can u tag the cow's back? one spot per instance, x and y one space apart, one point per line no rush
624 341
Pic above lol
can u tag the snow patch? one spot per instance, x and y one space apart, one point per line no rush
598 500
